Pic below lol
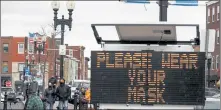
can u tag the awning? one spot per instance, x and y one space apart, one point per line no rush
165 34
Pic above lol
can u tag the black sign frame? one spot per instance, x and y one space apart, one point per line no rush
182 86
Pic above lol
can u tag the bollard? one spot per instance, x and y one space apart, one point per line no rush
75 102
5 102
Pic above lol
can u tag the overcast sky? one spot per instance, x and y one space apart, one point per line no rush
20 17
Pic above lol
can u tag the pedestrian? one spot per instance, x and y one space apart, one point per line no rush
63 93
50 96
33 102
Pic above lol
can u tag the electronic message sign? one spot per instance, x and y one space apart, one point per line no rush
147 77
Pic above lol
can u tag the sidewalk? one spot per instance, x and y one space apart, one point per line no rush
70 106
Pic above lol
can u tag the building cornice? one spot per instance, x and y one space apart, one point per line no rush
211 3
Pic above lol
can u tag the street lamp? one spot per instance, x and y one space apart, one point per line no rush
55 6
209 57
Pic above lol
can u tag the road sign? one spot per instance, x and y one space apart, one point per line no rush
62 50
8 84
27 71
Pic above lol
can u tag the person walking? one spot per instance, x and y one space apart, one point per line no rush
50 96
33 102
63 92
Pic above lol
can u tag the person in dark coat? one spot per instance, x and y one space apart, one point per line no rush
63 92
50 96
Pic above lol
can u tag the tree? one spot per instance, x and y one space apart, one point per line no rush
49 31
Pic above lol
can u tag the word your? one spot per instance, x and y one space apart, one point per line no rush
146 89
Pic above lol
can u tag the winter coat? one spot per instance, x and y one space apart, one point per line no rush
50 95
63 92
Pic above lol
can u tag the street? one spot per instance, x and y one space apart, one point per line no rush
17 106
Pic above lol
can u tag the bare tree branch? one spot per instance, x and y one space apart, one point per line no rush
43 31
58 31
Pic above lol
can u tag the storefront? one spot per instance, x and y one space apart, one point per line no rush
4 79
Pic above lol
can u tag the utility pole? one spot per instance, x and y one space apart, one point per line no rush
163 5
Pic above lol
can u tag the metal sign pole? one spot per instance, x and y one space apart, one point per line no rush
163 10
206 47
219 49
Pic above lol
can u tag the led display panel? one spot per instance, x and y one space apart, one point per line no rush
148 77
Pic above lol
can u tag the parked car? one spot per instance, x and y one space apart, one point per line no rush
209 92
7 90
84 86
74 84
11 94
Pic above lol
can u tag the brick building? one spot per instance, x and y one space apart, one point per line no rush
72 51
86 67
78 53
12 57
213 21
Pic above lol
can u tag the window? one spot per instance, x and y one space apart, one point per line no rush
217 61
58 42
31 48
212 63
217 13
217 36
21 48
208 15
71 53
5 48
213 14
5 67
21 67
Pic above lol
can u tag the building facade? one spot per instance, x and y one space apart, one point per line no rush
86 68
70 69
213 20
15 51
78 53
12 58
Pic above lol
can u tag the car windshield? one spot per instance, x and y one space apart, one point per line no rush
84 85
75 84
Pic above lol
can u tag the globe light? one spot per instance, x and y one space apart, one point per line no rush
70 5
55 5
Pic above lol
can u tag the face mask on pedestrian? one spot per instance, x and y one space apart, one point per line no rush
62 81
50 85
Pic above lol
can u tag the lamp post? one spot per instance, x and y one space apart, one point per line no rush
209 57
70 6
